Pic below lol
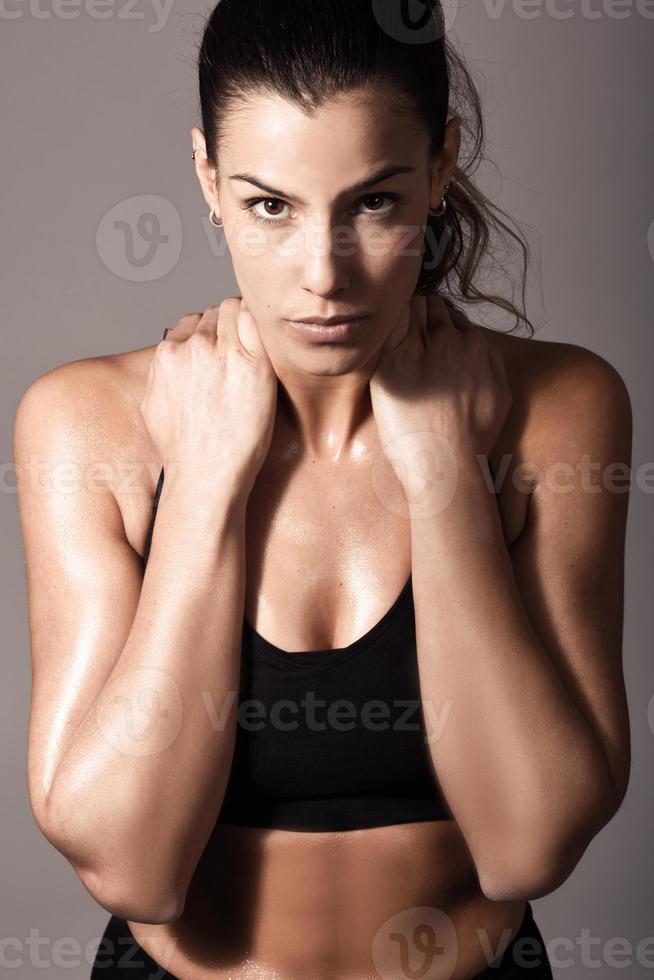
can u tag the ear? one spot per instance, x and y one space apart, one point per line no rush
207 175
443 165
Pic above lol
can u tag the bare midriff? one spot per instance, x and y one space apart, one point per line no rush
343 905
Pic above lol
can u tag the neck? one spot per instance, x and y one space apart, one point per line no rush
327 418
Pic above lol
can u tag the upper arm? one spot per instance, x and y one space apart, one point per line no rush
83 577
569 559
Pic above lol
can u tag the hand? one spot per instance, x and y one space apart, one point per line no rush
211 394
438 383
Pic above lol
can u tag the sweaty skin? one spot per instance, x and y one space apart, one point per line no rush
282 904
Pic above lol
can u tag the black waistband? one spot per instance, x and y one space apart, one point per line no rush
332 813
525 956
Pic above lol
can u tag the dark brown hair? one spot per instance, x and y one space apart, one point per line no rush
309 52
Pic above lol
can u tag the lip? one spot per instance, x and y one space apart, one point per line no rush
328 331
329 321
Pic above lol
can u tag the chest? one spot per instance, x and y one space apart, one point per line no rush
328 551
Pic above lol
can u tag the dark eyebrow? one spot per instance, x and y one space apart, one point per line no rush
383 174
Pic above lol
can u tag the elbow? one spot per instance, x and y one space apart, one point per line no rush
129 902
125 896
526 882
532 870
536 862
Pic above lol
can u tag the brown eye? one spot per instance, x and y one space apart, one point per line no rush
266 200
267 218
273 217
381 211
373 197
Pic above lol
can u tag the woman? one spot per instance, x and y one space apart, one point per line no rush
341 711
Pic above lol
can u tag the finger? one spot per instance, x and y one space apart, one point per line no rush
208 322
248 332
183 328
237 325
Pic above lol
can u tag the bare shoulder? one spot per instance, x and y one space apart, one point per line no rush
84 416
543 363
100 394
563 393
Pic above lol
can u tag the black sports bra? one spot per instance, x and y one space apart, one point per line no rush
331 739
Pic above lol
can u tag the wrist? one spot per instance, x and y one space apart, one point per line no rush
435 472
208 492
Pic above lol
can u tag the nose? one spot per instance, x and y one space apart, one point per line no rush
327 254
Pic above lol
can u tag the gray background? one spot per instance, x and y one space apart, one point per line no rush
96 112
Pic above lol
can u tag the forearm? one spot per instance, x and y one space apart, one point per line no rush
520 768
138 791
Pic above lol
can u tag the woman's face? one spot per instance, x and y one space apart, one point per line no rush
306 241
